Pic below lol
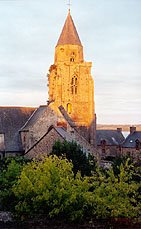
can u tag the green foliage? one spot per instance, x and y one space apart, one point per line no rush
114 196
73 152
10 169
50 188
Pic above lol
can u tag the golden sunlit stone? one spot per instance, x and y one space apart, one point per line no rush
70 82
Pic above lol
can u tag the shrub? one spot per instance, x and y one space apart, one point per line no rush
49 188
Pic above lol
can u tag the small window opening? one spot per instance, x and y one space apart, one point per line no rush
69 108
71 59
74 83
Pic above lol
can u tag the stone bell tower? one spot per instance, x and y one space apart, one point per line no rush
70 82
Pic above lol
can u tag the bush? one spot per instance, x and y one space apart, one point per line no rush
49 188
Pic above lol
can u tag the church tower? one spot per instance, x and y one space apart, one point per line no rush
70 82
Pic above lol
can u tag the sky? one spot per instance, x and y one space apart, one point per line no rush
110 32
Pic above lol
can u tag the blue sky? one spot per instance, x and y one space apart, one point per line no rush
111 36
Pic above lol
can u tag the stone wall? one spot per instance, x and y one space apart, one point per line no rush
39 128
133 152
108 151
44 146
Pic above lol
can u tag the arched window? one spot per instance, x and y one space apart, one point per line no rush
69 108
74 84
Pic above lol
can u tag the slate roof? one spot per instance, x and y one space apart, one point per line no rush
69 33
67 117
130 141
34 117
64 134
11 120
112 137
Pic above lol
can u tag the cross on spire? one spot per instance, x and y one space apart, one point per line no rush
69 4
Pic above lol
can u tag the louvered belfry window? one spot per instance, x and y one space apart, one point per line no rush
74 84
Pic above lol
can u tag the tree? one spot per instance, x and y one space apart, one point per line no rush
10 170
115 195
85 163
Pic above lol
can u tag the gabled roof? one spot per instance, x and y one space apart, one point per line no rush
130 141
11 120
63 133
69 33
112 137
34 117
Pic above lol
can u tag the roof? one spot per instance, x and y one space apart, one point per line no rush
69 33
130 141
11 120
67 117
34 117
63 133
112 137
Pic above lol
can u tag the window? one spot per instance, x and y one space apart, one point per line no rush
137 144
71 59
69 108
74 84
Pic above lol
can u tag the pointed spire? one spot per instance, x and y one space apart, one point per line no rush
69 33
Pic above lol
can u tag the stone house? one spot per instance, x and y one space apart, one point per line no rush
132 144
11 120
109 142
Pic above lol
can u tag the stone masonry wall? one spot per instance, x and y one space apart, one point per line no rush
44 146
135 153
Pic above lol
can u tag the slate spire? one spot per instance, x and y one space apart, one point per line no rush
69 33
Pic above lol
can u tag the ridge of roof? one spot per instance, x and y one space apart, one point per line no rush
112 137
69 33
134 135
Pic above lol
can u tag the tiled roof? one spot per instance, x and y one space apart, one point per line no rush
34 117
112 137
130 141
11 120
69 33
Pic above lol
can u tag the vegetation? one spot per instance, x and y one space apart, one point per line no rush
53 188
83 162
10 170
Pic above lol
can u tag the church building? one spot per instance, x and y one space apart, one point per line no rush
70 111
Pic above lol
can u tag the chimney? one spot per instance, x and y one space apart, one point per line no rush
119 130
62 124
132 129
